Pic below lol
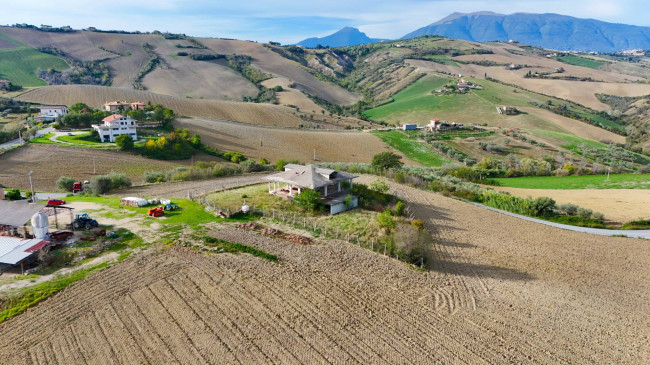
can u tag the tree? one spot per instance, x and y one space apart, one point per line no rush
124 142
379 186
386 221
65 183
150 145
308 199
386 160
78 107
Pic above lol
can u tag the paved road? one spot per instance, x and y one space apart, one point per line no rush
598 231
19 141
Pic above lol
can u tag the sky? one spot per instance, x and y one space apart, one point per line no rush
290 21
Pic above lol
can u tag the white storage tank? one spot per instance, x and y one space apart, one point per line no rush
40 225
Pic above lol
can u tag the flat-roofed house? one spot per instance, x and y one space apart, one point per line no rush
51 112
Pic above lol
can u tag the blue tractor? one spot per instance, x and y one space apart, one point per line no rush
82 220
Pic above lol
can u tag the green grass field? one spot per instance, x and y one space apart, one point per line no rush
442 59
622 181
570 142
20 64
413 149
579 61
84 140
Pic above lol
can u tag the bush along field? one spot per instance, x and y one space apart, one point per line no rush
443 181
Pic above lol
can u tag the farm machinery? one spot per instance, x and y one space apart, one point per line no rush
82 220
171 206
156 212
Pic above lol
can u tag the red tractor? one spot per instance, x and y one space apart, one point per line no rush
156 212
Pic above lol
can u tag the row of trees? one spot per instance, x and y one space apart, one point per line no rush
82 116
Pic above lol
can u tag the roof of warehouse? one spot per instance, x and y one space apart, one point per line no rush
17 213
13 250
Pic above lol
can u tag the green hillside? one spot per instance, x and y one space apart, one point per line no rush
614 181
20 64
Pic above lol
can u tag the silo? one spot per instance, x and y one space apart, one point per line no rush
40 225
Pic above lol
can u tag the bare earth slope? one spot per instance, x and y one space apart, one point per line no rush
96 96
503 292
271 62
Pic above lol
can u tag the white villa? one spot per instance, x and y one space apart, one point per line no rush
115 125
51 112
333 185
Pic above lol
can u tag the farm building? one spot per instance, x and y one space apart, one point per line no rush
410 127
115 125
138 105
333 185
116 106
16 242
51 112
436 125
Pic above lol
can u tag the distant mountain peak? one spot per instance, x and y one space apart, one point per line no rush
552 31
346 36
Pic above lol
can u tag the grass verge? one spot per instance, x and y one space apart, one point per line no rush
615 181
239 247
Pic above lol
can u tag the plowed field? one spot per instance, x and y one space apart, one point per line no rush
498 291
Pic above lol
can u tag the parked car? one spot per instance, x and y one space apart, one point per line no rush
55 202
70 134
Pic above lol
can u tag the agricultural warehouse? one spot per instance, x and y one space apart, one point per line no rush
331 184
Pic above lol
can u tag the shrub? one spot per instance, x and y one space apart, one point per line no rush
235 157
543 207
64 183
598 216
124 142
264 161
13 194
399 177
105 183
584 213
308 199
153 176
569 209
386 221
400 208
379 186
386 160
250 166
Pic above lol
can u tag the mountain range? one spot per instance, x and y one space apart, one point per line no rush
347 36
552 31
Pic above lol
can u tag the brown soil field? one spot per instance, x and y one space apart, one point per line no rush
505 292
580 92
618 205
575 127
49 162
76 44
271 62
6 44
283 143
96 96
290 96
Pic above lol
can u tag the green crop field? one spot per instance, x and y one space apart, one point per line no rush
568 141
622 181
579 61
413 149
20 64
442 59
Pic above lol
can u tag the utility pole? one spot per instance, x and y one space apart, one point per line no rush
314 154
31 186
94 166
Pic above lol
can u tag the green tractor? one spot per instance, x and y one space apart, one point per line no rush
82 220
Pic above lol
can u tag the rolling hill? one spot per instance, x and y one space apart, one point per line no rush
553 31
347 36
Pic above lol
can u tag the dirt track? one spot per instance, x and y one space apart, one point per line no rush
499 291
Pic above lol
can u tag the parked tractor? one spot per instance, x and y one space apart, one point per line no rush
82 220
156 212
171 206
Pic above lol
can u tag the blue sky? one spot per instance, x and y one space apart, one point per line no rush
289 21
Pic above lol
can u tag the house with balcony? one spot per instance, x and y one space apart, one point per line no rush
334 186
51 112
116 125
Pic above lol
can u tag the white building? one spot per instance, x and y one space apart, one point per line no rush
51 112
115 125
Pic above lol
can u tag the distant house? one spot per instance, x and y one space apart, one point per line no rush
462 86
437 125
138 105
116 106
410 127
51 112
331 184
115 125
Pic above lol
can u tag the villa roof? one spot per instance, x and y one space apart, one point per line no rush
309 176
113 117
